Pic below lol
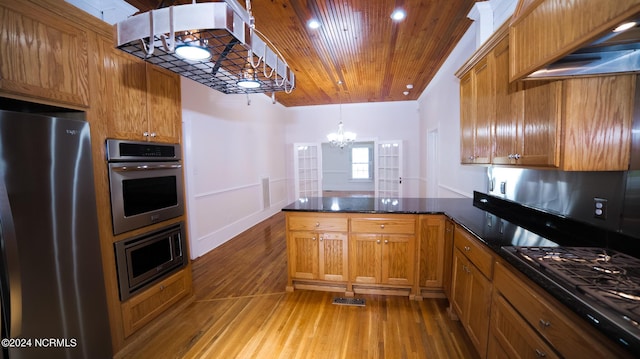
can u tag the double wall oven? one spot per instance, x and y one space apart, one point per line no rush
146 186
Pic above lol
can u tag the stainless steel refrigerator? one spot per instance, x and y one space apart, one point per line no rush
53 300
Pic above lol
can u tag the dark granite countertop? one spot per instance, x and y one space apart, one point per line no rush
501 224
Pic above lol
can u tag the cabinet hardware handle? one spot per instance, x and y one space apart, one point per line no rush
162 287
378 241
540 353
321 238
516 156
382 226
467 248
145 134
471 158
544 323
153 134
317 224
313 238
386 241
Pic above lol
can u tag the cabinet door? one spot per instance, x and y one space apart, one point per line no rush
597 123
333 256
163 105
460 284
303 254
539 124
467 115
485 110
398 259
448 258
365 255
478 309
124 94
42 55
505 120
432 252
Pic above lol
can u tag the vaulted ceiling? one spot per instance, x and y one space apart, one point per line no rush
358 54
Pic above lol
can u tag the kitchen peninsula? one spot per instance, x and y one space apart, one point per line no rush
462 249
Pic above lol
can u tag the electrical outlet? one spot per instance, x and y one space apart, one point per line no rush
599 208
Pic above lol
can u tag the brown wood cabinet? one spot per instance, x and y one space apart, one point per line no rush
43 55
471 288
317 247
543 31
580 124
542 326
512 337
382 249
147 104
448 257
146 306
352 253
433 253
476 114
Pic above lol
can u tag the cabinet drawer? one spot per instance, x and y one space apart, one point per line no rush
141 309
511 335
320 223
474 250
569 337
384 225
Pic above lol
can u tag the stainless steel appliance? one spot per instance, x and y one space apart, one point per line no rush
146 183
53 300
145 259
605 281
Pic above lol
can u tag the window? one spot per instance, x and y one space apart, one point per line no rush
361 163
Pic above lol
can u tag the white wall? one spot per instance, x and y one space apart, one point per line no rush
229 148
370 121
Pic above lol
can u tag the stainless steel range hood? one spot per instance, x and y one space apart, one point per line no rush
613 52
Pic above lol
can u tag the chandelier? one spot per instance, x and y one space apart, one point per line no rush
341 138
213 43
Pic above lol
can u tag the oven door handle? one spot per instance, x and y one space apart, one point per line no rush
126 168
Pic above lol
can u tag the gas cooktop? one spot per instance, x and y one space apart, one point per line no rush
606 281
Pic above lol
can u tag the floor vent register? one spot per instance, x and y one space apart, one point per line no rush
357 302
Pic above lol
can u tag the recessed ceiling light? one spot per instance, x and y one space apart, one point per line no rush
398 14
410 86
313 24
625 26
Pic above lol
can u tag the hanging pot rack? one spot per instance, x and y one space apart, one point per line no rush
225 29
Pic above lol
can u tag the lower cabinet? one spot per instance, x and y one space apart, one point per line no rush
512 337
142 308
432 253
526 322
471 287
352 253
317 248
382 250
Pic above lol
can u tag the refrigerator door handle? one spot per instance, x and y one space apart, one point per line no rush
10 282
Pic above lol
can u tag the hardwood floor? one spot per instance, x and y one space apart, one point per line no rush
241 310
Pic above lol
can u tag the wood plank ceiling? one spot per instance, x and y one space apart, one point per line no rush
358 54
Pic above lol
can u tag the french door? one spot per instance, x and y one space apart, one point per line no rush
307 163
388 165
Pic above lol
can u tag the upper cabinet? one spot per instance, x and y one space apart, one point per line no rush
476 114
43 56
142 101
543 31
577 124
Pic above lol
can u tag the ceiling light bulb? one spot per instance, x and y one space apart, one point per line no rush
313 24
248 84
625 26
398 14
193 52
